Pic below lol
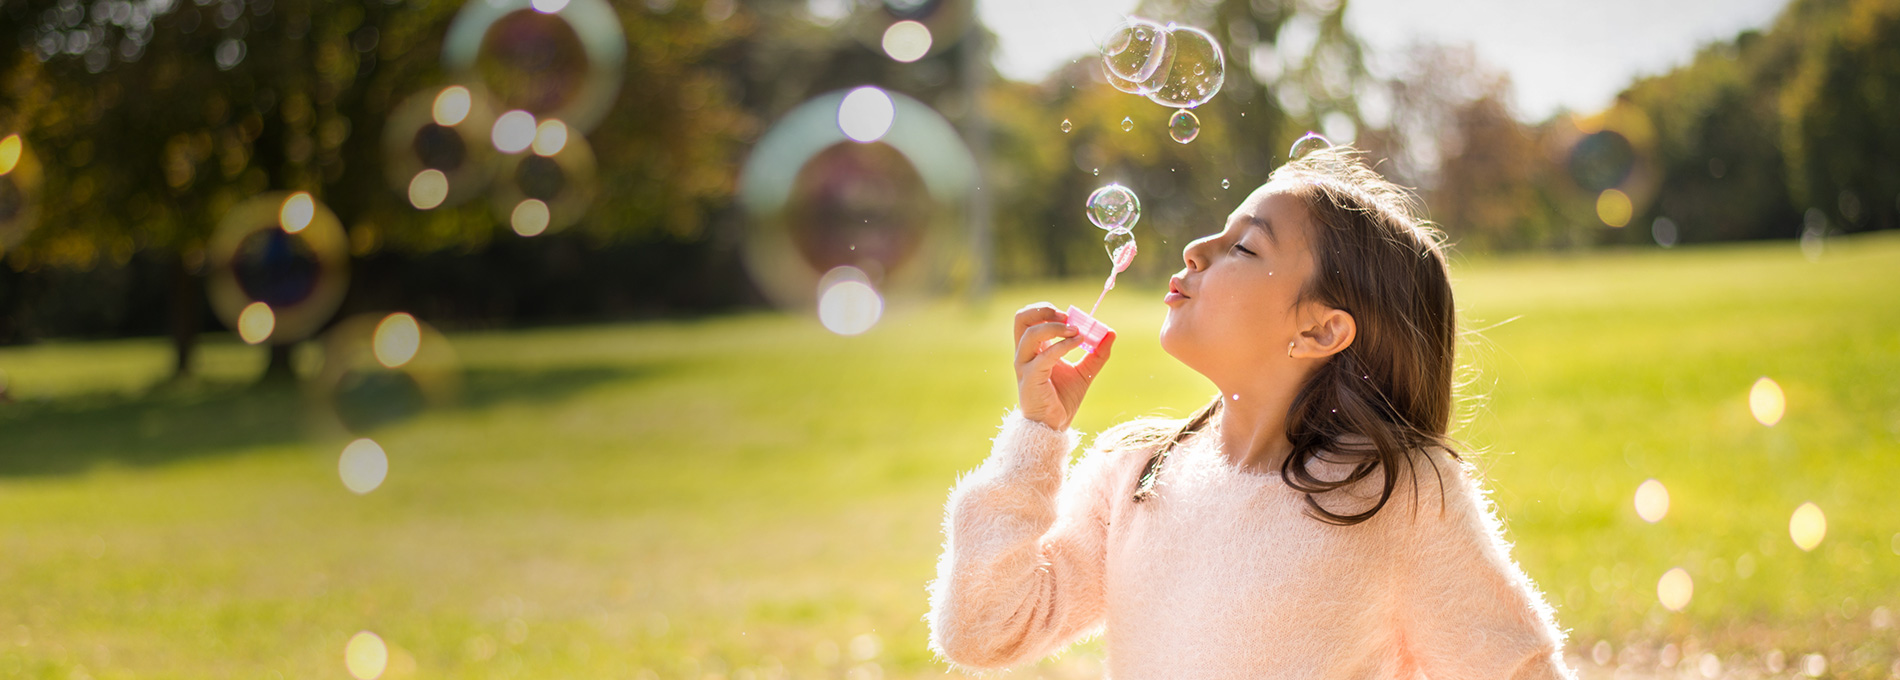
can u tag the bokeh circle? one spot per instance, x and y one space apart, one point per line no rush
565 63
285 250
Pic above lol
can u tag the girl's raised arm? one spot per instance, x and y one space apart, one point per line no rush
1468 610
1021 575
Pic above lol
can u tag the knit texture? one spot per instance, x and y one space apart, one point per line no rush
1222 575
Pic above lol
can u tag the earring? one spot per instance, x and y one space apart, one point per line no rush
1289 350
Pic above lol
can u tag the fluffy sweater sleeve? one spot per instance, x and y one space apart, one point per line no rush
1473 613
1021 574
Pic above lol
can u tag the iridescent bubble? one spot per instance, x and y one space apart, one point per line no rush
1120 244
1128 124
1114 207
552 59
285 250
1307 144
1135 49
1224 184
1183 126
1196 69
1067 126
437 148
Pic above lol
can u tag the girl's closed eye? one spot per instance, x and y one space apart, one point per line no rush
1242 249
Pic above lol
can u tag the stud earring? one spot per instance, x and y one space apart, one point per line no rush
1289 350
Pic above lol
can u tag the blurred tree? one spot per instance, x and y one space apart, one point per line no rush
1837 109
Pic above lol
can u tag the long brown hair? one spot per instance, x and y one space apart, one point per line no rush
1392 386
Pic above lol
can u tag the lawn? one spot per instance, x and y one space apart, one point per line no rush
750 496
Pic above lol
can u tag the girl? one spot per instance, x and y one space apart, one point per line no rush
1285 530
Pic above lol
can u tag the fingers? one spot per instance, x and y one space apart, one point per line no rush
1042 364
1031 342
1040 312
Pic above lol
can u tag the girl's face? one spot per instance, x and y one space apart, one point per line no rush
1231 310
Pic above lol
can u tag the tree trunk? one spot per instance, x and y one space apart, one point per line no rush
279 369
187 316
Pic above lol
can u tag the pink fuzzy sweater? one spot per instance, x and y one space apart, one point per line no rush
1222 576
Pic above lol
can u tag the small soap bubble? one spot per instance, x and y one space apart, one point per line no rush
1224 184
1136 49
1128 124
1120 244
1067 126
1307 144
1114 207
1184 126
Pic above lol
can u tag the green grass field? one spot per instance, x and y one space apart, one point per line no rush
751 497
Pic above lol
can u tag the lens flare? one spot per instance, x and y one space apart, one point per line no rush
362 467
451 106
366 656
297 211
429 188
1652 501
514 131
256 322
907 41
866 114
550 137
1674 589
530 217
1807 526
1766 401
396 340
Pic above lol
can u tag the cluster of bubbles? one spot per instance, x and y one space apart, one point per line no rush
1176 66
531 77
847 196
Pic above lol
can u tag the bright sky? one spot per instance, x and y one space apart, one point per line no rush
1559 54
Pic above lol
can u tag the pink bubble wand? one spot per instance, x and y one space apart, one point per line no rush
1087 327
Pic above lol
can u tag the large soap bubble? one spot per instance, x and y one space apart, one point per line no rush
1135 49
1114 207
286 252
1310 142
1196 69
1120 244
555 61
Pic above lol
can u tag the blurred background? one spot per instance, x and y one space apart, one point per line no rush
645 338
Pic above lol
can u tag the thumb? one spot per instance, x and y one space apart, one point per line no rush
1092 363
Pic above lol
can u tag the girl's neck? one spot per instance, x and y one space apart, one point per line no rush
1253 428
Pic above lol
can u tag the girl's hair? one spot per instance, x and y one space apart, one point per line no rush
1392 386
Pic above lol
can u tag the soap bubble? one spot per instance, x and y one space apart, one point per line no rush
1128 124
1114 207
1184 126
436 149
20 180
1120 244
285 250
563 64
1067 126
1224 184
1196 69
540 191
380 369
1307 144
1135 49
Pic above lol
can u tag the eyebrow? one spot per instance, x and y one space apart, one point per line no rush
1264 226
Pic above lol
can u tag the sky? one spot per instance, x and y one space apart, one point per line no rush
1574 55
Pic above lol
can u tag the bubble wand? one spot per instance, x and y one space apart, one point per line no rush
1116 209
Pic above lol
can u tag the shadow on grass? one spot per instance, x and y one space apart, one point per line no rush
173 423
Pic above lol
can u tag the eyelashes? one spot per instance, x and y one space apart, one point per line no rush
1243 249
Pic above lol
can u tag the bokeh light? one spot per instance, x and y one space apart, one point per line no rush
365 656
866 114
529 218
254 256
1807 526
1766 402
549 137
1613 207
847 304
1652 501
451 106
396 339
437 149
513 131
549 58
906 41
10 149
1610 156
255 323
428 189
381 369
542 192
363 466
1675 589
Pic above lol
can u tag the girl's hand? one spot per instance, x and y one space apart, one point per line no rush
1048 389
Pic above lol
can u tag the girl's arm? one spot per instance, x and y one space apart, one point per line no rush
1467 610
1021 572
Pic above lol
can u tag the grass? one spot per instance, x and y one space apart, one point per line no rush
752 497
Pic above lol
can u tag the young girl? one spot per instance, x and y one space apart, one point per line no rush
1311 521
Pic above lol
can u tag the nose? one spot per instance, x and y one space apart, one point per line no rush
1193 253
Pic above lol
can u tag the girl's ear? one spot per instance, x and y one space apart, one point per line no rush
1331 333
